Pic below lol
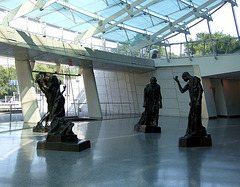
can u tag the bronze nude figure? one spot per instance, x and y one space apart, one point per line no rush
195 127
60 131
50 86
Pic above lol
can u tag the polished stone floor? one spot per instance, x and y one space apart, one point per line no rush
119 156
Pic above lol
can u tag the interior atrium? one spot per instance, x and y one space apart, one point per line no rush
104 54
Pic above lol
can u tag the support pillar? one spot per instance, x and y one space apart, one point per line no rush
233 3
210 34
94 109
30 110
188 51
219 97
166 54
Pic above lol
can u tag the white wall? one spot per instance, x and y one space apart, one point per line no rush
168 90
174 102
232 96
209 66
221 96
122 92
208 91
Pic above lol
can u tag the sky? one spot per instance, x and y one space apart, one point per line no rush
222 21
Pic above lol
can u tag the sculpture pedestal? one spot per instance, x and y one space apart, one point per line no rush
63 143
38 129
147 129
195 141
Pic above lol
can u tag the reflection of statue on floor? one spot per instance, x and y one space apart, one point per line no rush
195 92
152 104
50 86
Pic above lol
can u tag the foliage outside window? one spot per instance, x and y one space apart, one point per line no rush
222 43
6 75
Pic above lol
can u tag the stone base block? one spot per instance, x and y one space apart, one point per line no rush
195 141
62 138
147 129
37 129
64 143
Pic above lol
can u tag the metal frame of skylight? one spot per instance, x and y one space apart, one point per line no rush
196 12
200 11
102 23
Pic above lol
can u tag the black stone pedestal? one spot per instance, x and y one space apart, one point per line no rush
147 129
195 141
64 143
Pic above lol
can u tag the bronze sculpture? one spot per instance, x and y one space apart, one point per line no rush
50 86
60 135
195 128
152 103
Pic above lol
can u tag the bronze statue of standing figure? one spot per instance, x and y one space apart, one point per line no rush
195 92
152 103
195 127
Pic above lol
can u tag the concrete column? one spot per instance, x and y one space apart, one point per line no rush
208 92
219 97
94 109
31 113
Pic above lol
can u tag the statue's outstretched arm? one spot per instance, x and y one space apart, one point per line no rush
182 90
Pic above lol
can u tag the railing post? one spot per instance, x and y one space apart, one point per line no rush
10 117
210 34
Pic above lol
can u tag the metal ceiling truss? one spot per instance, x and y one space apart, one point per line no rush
197 12
151 13
48 4
32 5
234 3
22 10
103 24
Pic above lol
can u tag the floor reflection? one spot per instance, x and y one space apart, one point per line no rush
149 173
194 158
120 156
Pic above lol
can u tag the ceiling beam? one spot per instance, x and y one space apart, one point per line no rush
22 10
151 13
97 17
103 26
48 4
196 12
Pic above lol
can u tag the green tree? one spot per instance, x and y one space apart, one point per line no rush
41 67
222 44
44 67
123 49
7 74
51 68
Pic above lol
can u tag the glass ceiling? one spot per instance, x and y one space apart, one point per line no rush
139 23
